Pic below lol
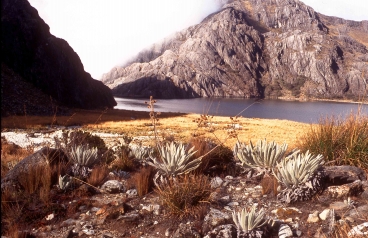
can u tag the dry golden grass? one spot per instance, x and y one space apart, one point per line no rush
143 180
179 126
10 155
98 176
182 128
360 36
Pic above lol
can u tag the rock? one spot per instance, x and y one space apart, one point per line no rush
339 175
68 222
132 193
129 217
112 186
325 214
32 55
358 212
287 212
346 190
88 230
339 206
185 230
216 182
313 218
38 160
359 231
364 195
215 218
222 231
285 231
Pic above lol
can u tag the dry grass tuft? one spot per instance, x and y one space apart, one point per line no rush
37 179
124 161
183 196
98 176
342 142
269 185
10 155
143 180
217 160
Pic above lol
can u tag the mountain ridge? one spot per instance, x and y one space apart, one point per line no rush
33 59
253 49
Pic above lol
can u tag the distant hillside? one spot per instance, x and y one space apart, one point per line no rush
253 48
40 71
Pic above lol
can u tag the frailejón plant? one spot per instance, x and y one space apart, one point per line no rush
139 153
64 182
262 156
297 168
83 155
175 159
248 221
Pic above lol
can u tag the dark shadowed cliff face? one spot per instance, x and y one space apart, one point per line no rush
253 48
45 62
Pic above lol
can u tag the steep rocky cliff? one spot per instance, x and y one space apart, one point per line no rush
253 48
34 60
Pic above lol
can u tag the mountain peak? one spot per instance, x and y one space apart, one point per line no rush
252 48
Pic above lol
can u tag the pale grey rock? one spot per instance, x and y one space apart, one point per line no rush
358 212
325 214
112 186
222 231
339 205
285 231
68 222
185 230
88 230
359 230
313 218
346 190
132 193
216 182
215 218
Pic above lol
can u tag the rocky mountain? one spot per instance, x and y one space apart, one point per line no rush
253 48
39 70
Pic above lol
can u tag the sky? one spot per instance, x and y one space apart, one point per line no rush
108 33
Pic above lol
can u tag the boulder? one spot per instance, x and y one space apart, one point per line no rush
339 175
40 159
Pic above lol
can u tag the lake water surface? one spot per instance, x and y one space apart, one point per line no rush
309 112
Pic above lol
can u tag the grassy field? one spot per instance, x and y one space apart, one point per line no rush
181 127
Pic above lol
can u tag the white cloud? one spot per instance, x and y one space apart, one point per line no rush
108 33
348 9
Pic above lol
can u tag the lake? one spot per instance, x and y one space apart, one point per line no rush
308 112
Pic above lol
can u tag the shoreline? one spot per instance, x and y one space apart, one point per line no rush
364 102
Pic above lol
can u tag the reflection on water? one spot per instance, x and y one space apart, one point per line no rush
309 112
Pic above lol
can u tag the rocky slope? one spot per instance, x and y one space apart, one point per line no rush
114 208
37 60
253 48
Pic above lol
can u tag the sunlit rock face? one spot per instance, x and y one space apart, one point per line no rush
31 55
253 48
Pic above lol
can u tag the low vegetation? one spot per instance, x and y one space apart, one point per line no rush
340 141
179 170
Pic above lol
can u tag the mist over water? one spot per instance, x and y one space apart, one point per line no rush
308 112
